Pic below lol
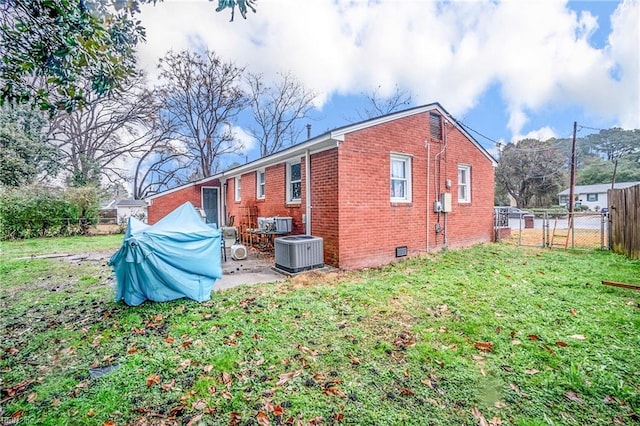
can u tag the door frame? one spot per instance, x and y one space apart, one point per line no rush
217 197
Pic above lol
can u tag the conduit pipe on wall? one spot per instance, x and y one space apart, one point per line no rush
427 204
307 191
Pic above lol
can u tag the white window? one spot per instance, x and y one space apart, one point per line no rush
260 181
464 184
294 182
238 189
400 178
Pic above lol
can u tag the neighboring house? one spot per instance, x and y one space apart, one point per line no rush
408 182
592 196
124 209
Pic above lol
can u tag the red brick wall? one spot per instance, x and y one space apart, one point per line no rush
324 203
469 223
274 202
371 227
165 204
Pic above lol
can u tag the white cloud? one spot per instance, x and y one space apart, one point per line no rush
541 134
539 53
245 142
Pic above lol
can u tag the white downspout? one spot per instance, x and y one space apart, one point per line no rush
307 192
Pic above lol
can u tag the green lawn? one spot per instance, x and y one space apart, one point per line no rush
495 333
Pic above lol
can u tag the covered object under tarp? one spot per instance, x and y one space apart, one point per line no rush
177 257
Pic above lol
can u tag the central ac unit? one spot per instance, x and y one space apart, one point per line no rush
298 253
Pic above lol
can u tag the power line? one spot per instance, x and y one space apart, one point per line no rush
590 128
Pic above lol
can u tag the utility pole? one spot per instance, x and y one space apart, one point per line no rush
572 183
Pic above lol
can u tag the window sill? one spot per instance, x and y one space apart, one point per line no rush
401 204
293 203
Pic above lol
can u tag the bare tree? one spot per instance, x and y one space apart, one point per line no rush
277 111
96 141
161 167
201 98
377 105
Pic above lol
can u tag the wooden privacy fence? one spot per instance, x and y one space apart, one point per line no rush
624 214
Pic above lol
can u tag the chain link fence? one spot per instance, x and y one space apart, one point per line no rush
553 229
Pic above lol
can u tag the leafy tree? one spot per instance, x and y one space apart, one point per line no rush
96 141
531 168
615 143
601 171
277 110
201 97
24 155
48 46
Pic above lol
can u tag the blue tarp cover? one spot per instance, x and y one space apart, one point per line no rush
177 257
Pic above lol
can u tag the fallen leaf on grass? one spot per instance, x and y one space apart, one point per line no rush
500 404
578 336
307 350
19 388
278 411
169 339
226 395
226 379
12 351
427 382
183 365
153 379
404 340
514 387
484 346
235 418
531 371
516 342
406 392
496 421
479 417
109 423
138 331
195 420
168 386
562 344
572 396
263 419
334 390
533 337
32 397
91 412
208 368
199 405
573 312
285 377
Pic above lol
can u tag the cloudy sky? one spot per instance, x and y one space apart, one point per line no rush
507 69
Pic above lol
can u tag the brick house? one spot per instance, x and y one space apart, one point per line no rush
407 182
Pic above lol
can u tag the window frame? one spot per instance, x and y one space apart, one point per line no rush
261 187
593 197
237 189
466 168
290 182
407 161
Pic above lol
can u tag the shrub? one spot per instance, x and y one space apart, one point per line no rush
35 211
